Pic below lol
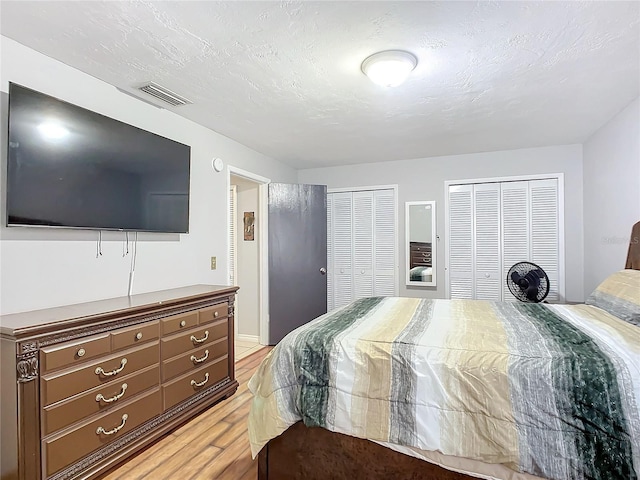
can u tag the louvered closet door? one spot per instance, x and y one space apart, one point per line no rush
384 237
363 244
486 216
545 231
330 270
460 241
341 232
494 226
515 229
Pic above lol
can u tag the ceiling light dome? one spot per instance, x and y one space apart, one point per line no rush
389 68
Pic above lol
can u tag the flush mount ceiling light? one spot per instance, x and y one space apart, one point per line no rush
389 68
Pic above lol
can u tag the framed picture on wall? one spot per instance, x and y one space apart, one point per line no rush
249 225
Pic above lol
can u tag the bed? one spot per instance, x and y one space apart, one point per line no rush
453 389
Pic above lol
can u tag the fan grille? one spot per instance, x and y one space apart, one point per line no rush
528 282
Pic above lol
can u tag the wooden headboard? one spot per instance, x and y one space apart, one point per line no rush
633 257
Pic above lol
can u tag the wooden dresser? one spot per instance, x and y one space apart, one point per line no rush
420 254
85 386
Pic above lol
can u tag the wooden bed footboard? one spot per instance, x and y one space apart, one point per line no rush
303 453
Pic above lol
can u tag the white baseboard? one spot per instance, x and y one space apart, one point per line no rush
247 338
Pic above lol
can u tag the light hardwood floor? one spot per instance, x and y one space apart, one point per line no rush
244 348
213 445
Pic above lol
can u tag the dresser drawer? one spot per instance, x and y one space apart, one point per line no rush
75 352
191 383
207 315
197 337
193 359
136 335
66 448
177 323
63 384
105 396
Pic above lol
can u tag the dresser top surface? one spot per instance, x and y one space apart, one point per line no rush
13 323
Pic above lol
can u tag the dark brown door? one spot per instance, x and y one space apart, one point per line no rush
297 256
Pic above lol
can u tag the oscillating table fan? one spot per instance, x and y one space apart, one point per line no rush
528 282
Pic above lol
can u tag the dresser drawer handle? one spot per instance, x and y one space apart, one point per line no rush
139 336
100 371
202 383
81 352
183 323
200 360
200 340
216 314
116 429
100 397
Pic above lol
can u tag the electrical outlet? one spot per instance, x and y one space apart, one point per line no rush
213 263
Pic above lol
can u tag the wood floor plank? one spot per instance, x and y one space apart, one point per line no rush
213 445
238 467
252 473
219 415
196 462
194 442
223 441
224 460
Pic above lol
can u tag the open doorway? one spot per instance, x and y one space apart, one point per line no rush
247 258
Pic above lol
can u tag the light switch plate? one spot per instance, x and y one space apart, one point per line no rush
213 263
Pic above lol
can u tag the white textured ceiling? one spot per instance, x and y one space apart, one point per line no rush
284 77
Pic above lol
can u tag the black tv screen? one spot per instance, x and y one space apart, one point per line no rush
70 167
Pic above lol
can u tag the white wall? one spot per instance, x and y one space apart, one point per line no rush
611 194
42 267
423 179
247 260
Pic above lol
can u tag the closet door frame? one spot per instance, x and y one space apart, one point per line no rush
517 178
396 287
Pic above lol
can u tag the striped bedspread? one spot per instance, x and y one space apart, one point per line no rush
549 390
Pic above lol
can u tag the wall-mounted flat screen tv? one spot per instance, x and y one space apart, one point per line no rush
70 167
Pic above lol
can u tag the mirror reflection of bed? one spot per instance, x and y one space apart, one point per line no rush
420 269
420 234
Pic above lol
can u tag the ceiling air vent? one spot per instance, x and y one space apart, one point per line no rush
164 94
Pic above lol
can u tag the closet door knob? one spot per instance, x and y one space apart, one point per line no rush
362 272
323 270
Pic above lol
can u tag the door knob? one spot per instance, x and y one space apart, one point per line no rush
323 270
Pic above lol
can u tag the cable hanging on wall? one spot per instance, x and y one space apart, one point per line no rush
134 252
99 244
125 251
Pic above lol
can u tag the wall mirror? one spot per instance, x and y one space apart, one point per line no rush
420 235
